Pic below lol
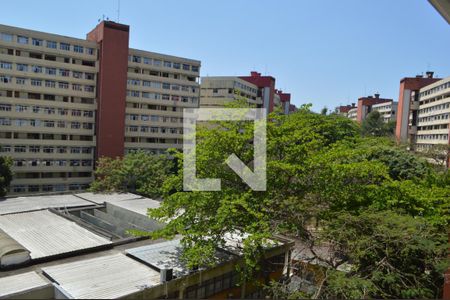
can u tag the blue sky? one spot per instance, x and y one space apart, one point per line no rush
325 52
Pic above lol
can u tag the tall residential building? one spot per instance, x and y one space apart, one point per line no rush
352 113
433 115
406 107
217 91
365 105
343 110
255 89
387 110
65 102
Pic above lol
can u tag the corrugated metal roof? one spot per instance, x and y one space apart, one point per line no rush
101 198
44 233
106 277
23 204
167 255
20 283
139 206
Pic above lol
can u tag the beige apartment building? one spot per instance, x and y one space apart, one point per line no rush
387 110
159 87
220 90
65 102
47 109
256 90
433 117
352 113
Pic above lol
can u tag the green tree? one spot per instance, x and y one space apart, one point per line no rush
318 168
5 175
373 125
391 256
136 172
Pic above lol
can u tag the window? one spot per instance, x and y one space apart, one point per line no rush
194 68
88 88
5 107
134 93
64 46
133 117
77 74
51 44
36 82
36 69
176 65
20 149
63 85
49 123
37 42
22 67
75 125
166 86
50 71
64 72
21 108
5 65
6 37
145 117
5 79
147 61
22 39
186 67
89 76
5 121
5 148
136 59
34 149
49 83
76 87
157 62
90 51
78 48
167 64
48 149
21 122
88 113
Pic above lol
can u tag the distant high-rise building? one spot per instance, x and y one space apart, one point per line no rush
365 105
408 108
255 89
65 102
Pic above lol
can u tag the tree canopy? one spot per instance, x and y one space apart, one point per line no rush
137 172
373 125
5 175
323 180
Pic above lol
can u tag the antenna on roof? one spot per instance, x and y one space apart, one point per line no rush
118 11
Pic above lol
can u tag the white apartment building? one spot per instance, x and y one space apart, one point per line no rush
387 110
433 117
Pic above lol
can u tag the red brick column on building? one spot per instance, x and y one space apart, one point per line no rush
263 82
111 87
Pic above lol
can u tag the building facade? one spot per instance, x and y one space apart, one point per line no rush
65 102
218 91
433 115
387 110
343 110
365 105
408 109
256 90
